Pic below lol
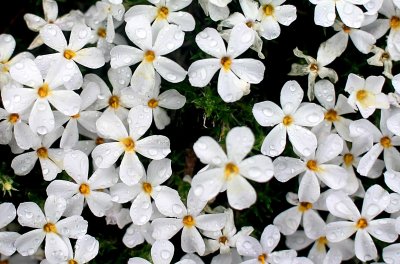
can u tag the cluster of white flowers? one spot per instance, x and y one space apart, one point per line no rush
78 124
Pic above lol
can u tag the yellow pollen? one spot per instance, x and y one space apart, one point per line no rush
287 120
348 159
152 103
113 101
321 242
230 170
268 10
69 54
42 153
72 261
222 239
346 29
7 186
84 189
76 116
43 90
331 115
361 95
362 223
395 22
99 140
163 12
101 32
13 118
386 142
50 228
305 206
5 69
147 188
249 24
188 221
312 165
385 56
226 63
129 144
314 67
262 258
149 56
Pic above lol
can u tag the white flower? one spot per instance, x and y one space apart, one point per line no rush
76 164
164 13
349 13
137 234
189 220
365 94
50 9
271 14
73 52
216 9
86 248
291 119
313 68
150 104
162 252
317 167
325 94
48 226
131 169
382 58
390 253
151 53
51 160
7 238
375 201
235 74
40 94
230 171
166 199
262 251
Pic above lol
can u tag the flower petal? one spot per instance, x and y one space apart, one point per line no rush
162 251
340 205
53 37
201 72
105 155
131 169
72 227
99 203
258 168
302 139
268 113
365 247
191 241
169 70
288 221
240 40
240 193
375 201
249 70
28 243
124 55
291 97
210 41
90 57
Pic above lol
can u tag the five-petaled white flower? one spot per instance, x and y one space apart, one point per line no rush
7 238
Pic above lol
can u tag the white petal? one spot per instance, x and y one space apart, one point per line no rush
375 201
285 14
309 188
308 115
350 14
339 231
210 41
201 72
298 241
211 222
333 176
7 43
340 205
76 164
105 155
209 151
30 215
239 143
313 224
124 55
154 147
383 229
41 119
362 40
72 227
168 202
171 99
34 22
86 248
53 37
268 113
329 148
54 207
26 72
325 14
18 99
270 28
365 247
302 139
230 87
241 38
55 250
240 193
248 246
270 238
325 93
291 96
99 203
168 40
8 212
28 243
24 163
165 228
141 209
207 184
162 251
116 131
7 247
70 136
249 70
90 57
80 36
67 102
191 241
183 19
329 50
64 189
369 159
131 169
169 70
288 221
50 170
390 252
286 168
148 11
258 168
139 32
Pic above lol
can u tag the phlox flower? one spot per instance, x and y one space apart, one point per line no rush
365 94
235 75
48 226
316 167
163 13
76 164
216 9
189 220
40 93
86 249
150 104
137 234
150 54
383 58
51 159
229 171
290 120
7 238
131 169
70 54
166 199
375 201
333 111
313 68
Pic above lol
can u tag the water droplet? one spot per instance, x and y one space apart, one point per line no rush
42 130
141 33
165 254
83 34
177 209
198 190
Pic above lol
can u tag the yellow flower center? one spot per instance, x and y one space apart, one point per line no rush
42 153
72 261
395 22
331 115
101 32
226 63
250 24
314 67
152 103
231 169
50 228
43 90
99 140
262 258
76 116
348 159
147 188
113 101
149 56
385 56
287 120
162 12
362 223
305 206
13 118
129 144
346 29
321 242
362 95
188 221
5 69
84 189
69 54
386 142
222 239
268 10
312 165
